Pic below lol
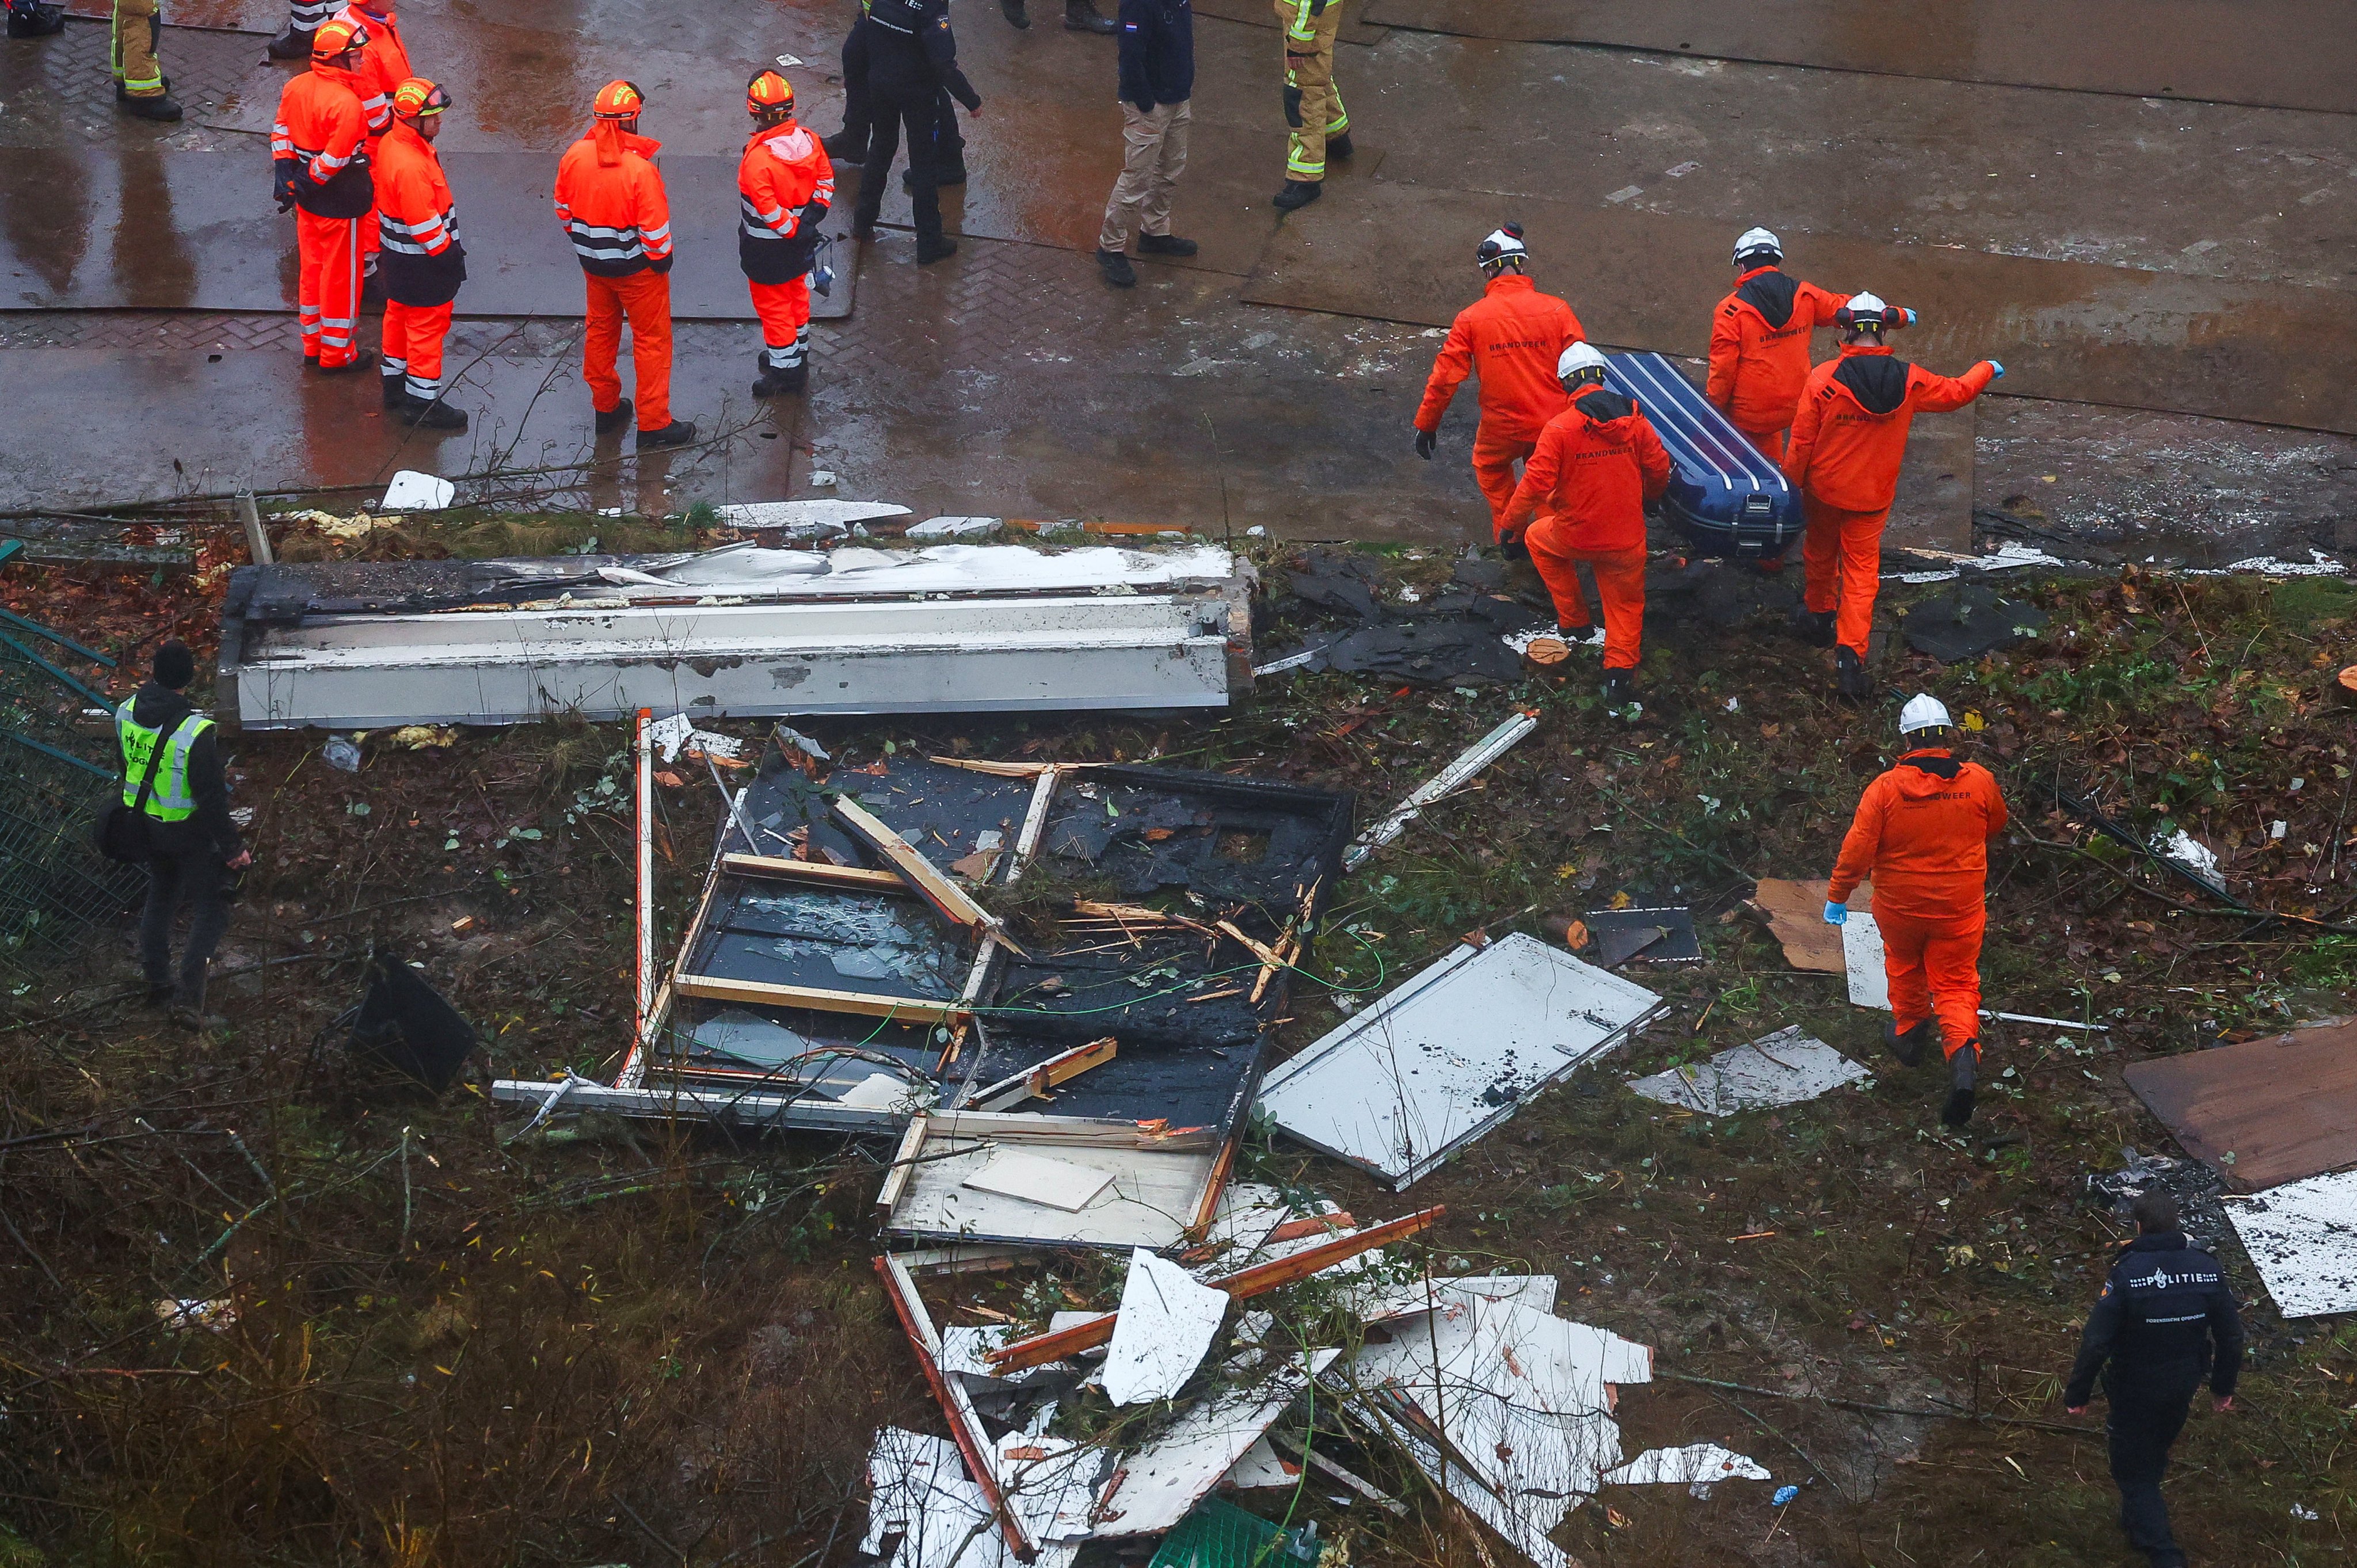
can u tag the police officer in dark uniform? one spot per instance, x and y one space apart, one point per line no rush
849 146
911 60
2165 1319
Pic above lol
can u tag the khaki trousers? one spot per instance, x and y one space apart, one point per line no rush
1313 104
1153 156
138 29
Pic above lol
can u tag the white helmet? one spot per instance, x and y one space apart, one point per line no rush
1863 310
1579 363
1755 243
1923 711
1504 247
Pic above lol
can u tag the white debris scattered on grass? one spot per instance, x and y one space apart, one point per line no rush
807 519
1153 1487
678 733
955 528
1697 1466
1870 983
2192 854
1520 641
1165 1330
2318 565
1784 1068
414 491
2302 1238
1261 1466
2008 557
184 1314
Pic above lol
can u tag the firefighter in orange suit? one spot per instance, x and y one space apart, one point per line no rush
1595 466
1510 337
1844 457
384 66
609 196
1760 341
319 151
423 261
1922 837
785 187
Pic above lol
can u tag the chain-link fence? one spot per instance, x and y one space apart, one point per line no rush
55 889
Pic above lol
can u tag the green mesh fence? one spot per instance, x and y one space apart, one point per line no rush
55 889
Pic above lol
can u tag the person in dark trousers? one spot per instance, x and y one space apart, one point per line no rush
911 60
848 146
2164 1319
193 845
1158 78
1080 15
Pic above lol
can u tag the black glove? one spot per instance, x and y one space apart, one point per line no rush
1426 440
1512 548
285 201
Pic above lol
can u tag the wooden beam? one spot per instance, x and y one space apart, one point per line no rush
818 874
760 993
923 876
1258 1280
965 1423
1033 1083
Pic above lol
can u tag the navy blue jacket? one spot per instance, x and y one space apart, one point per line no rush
2163 1307
1158 52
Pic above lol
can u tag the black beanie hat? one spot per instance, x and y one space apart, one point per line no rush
175 666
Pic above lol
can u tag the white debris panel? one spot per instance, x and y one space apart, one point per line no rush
2302 1238
1165 1330
1697 1466
1454 1052
1783 1068
739 633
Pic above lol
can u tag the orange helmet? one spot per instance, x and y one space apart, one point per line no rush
620 100
768 91
340 34
417 97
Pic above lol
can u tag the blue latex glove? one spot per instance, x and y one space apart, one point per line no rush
1836 914
1999 368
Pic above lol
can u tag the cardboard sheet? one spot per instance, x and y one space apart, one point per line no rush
1795 912
2070 330
2262 1113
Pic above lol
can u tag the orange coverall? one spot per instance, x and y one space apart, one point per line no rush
609 196
1922 837
1847 441
785 183
1594 467
318 150
1760 352
384 66
425 260
1510 337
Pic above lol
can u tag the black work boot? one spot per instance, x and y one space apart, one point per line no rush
1166 245
1340 147
678 433
1906 1044
1081 16
939 249
394 390
1815 628
614 419
782 380
1959 1109
1620 686
1017 11
160 106
294 43
358 362
431 413
1849 675
843 147
1297 193
1116 269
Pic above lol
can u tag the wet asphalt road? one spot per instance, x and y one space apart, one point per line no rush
1010 380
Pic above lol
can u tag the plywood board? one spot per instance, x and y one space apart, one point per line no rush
1795 913
2204 49
1451 1054
2070 330
1034 1178
2262 1113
